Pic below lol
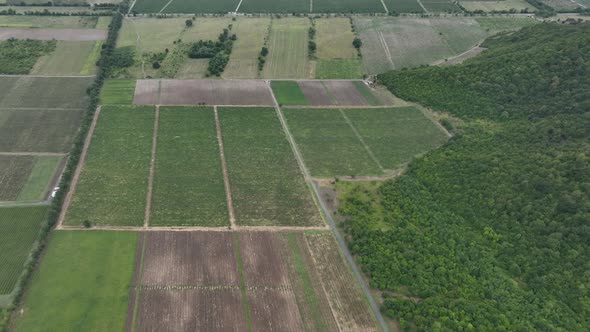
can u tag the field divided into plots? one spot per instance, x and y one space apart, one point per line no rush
19 227
82 283
188 182
336 57
361 142
44 92
117 92
267 185
70 58
114 180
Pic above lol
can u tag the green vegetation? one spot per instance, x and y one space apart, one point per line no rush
118 92
275 6
15 170
38 130
287 47
92 295
185 6
113 184
490 232
266 183
371 98
34 21
19 227
497 24
251 34
188 181
348 6
403 6
338 69
44 92
288 93
39 178
18 56
69 58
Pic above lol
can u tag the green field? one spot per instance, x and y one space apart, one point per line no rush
390 137
38 181
438 6
82 283
348 6
114 180
18 56
338 69
44 92
38 130
328 145
243 61
403 6
287 56
274 6
266 183
65 22
188 182
185 6
19 227
117 92
288 93
334 38
496 24
504 5
14 171
69 58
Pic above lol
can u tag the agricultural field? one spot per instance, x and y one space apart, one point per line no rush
114 179
396 43
336 57
493 25
188 182
288 93
44 92
288 54
361 142
185 6
117 92
72 10
267 185
257 281
60 22
504 5
52 34
275 6
26 177
403 6
69 58
199 92
338 69
328 93
38 130
19 227
243 61
566 5
348 6
17 56
92 295
440 6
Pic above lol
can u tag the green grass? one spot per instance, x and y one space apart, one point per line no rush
113 184
396 135
367 94
117 92
19 227
334 38
18 56
82 283
202 6
44 92
240 268
287 46
403 6
14 172
188 181
243 61
328 144
496 24
69 58
348 6
338 69
62 22
38 182
266 183
438 6
38 130
288 93
274 6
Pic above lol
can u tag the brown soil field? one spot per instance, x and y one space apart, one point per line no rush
50 33
146 92
315 93
14 172
209 92
345 93
189 258
190 310
263 260
274 310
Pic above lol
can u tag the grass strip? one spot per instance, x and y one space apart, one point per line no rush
245 305
138 287
367 94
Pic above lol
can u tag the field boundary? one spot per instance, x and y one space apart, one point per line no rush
360 138
386 49
385 7
197 228
46 154
230 207
76 176
148 203
166 5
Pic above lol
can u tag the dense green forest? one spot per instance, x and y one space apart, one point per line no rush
492 231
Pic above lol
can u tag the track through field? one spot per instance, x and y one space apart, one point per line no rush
148 204
360 138
230 207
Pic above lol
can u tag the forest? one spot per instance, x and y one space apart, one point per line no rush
490 232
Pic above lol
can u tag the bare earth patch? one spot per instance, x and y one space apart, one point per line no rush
315 93
50 33
345 93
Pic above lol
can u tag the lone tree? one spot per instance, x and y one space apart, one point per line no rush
188 23
357 43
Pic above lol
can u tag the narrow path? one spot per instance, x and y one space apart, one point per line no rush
360 138
230 206
385 7
131 7
328 216
48 154
421 5
76 177
148 203
166 5
238 7
386 49
311 6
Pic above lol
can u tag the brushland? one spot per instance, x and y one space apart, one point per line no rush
504 206
105 64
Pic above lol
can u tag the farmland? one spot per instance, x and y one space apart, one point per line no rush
275 6
69 58
93 294
60 22
114 179
348 6
26 177
353 142
288 93
19 56
266 183
403 6
188 184
118 92
43 92
243 61
327 93
19 227
288 56
505 5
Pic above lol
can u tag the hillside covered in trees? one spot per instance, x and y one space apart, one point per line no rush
492 231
